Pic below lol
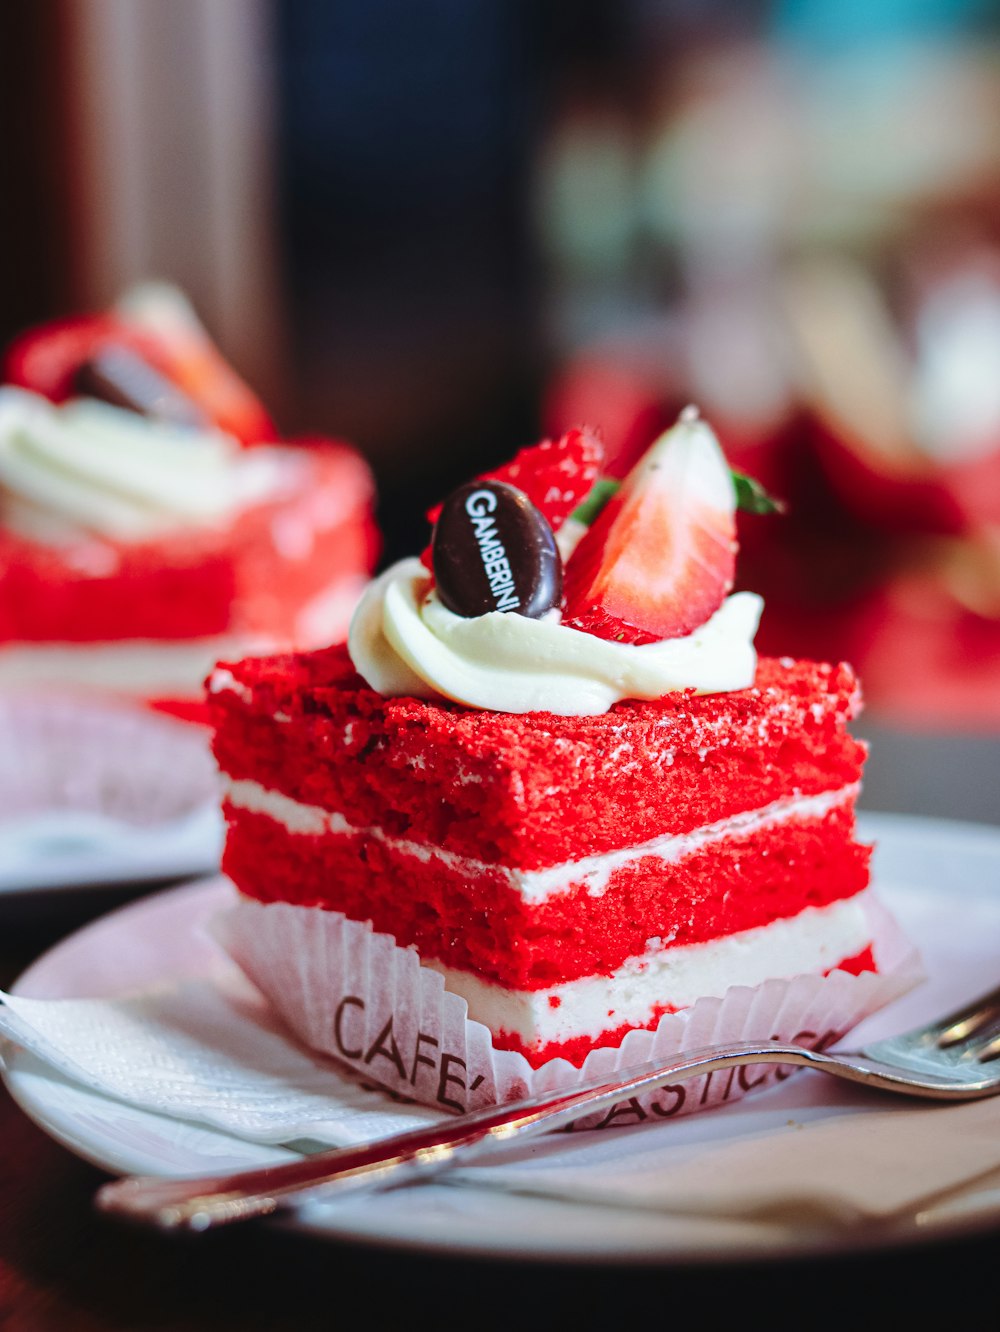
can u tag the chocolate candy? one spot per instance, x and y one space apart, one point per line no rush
118 375
494 551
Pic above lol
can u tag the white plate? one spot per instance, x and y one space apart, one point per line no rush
97 792
923 868
74 849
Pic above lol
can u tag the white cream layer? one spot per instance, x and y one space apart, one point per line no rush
809 943
535 886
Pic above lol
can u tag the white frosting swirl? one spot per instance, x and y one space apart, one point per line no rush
404 641
87 466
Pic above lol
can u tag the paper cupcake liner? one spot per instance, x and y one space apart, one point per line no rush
355 995
119 761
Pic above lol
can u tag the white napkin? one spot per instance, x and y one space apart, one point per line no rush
206 1050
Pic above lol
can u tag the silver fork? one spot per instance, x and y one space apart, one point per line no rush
955 1058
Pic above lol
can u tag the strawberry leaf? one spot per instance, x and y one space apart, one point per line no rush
751 496
597 497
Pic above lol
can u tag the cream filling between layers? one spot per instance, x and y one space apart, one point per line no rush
812 942
535 886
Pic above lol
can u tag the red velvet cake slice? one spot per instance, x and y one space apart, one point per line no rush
549 763
571 877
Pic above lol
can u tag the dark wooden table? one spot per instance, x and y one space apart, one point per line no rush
64 1268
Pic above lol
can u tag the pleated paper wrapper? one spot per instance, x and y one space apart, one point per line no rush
116 761
354 994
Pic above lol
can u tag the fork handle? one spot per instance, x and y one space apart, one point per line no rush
199 1204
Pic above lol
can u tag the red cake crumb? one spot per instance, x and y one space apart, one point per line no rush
499 787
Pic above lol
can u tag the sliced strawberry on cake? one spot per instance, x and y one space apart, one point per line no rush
660 557
152 333
47 359
556 475
193 361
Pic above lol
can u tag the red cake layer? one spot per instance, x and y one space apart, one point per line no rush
532 790
474 921
251 577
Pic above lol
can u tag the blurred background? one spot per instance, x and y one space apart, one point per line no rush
442 230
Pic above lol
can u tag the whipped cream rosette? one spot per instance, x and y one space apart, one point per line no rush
405 641
90 467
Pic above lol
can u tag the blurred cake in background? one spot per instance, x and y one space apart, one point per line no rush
879 426
895 456
795 222
151 520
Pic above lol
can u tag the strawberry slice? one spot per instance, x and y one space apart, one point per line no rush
158 324
555 475
660 557
191 359
46 358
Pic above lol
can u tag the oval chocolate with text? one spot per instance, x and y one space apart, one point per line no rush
493 551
